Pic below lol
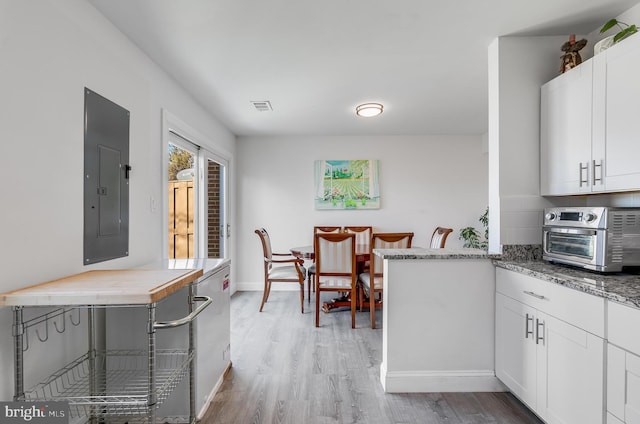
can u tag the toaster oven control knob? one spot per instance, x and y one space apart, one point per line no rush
550 216
589 217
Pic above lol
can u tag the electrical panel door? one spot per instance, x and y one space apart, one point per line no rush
106 179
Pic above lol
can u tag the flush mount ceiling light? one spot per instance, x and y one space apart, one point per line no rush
367 110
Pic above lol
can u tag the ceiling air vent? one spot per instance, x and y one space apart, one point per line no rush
262 106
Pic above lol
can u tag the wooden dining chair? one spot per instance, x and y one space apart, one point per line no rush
371 281
312 268
363 234
439 237
286 270
363 240
335 268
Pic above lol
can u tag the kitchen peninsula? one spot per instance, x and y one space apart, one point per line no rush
438 321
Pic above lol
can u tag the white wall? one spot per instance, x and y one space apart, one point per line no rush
50 51
521 65
425 182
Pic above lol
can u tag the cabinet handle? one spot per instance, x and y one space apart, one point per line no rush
539 337
585 168
527 332
595 180
537 296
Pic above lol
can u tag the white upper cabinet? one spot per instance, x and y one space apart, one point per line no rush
565 132
616 115
590 125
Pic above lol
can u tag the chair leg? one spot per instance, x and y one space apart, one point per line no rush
317 290
372 307
302 296
265 295
309 287
354 299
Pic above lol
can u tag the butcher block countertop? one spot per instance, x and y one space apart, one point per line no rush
103 287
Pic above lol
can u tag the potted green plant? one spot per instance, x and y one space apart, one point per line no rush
471 236
625 30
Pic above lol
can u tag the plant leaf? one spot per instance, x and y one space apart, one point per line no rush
624 34
606 27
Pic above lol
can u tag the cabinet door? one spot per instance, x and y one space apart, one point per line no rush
570 364
616 381
565 132
632 402
516 348
623 385
616 125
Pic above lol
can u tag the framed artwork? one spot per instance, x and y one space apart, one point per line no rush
346 184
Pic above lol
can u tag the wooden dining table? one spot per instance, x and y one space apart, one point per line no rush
363 255
306 252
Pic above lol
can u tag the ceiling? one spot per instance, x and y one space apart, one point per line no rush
425 60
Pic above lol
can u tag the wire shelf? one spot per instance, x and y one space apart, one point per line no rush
143 420
120 382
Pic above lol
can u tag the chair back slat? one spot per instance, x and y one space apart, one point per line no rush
326 229
439 237
266 242
387 241
363 234
335 255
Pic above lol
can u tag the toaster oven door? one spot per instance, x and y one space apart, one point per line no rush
573 246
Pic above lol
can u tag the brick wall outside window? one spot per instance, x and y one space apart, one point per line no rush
213 212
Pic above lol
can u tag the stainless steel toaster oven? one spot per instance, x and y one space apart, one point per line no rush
603 239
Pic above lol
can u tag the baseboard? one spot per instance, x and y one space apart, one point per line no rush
440 381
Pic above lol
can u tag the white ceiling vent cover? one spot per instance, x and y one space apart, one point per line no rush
262 106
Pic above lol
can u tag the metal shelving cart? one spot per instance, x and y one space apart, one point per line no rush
110 386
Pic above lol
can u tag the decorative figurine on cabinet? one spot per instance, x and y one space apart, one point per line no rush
571 58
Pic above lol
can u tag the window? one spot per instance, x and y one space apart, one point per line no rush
196 195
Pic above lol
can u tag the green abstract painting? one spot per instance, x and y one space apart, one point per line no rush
346 184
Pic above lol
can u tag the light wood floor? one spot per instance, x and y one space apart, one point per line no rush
287 371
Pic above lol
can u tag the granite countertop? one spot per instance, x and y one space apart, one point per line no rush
620 287
526 259
421 253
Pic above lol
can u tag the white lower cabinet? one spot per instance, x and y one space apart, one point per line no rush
515 348
570 374
554 364
623 365
623 385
